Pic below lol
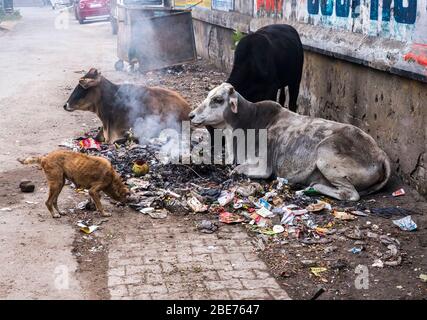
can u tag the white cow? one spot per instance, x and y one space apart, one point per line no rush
338 160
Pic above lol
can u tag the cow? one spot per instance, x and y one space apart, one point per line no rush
338 160
120 106
266 61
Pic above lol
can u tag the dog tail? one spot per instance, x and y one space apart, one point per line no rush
31 160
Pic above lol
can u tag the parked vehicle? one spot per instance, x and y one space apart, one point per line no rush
57 4
144 3
89 9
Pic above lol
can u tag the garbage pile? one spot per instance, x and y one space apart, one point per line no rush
270 209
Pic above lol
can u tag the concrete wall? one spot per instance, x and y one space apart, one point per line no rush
365 64
391 108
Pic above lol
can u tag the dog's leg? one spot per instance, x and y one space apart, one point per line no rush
55 200
54 190
94 194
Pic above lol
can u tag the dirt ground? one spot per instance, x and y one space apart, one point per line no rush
37 248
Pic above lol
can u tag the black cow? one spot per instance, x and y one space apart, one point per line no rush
268 60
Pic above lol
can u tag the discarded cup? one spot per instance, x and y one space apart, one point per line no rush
278 228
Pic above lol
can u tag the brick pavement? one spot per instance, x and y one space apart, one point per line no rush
169 259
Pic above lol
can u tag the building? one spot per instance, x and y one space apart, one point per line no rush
7 5
365 64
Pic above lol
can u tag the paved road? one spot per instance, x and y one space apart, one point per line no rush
37 63
148 259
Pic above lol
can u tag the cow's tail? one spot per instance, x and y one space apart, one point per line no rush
382 181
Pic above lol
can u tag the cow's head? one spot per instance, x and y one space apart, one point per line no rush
86 94
211 111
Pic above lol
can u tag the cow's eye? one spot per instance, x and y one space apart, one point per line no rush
218 100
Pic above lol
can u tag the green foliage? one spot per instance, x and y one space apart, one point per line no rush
15 15
237 36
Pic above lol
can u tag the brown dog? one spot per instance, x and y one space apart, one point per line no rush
93 173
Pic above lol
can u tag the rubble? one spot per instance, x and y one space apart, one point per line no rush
298 222
27 186
206 226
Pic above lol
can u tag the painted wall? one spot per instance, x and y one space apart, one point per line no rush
401 20
187 3
404 20
365 64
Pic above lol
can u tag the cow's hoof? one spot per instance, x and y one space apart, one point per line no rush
56 216
106 214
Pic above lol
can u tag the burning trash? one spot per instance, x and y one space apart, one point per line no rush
268 209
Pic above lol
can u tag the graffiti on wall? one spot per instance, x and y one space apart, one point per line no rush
223 5
188 3
269 8
404 20
402 12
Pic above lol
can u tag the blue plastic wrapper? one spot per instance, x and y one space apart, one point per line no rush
406 224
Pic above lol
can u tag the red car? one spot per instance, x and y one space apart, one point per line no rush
87 9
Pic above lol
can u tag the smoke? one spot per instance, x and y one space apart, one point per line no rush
148 50
149 47
150 126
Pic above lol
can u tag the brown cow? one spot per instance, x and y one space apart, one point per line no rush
119 107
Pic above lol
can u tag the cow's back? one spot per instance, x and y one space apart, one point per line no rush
141 101
167 103
266 60
293 139
285 48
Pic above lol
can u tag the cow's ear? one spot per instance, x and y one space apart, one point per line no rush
233 104
86 83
